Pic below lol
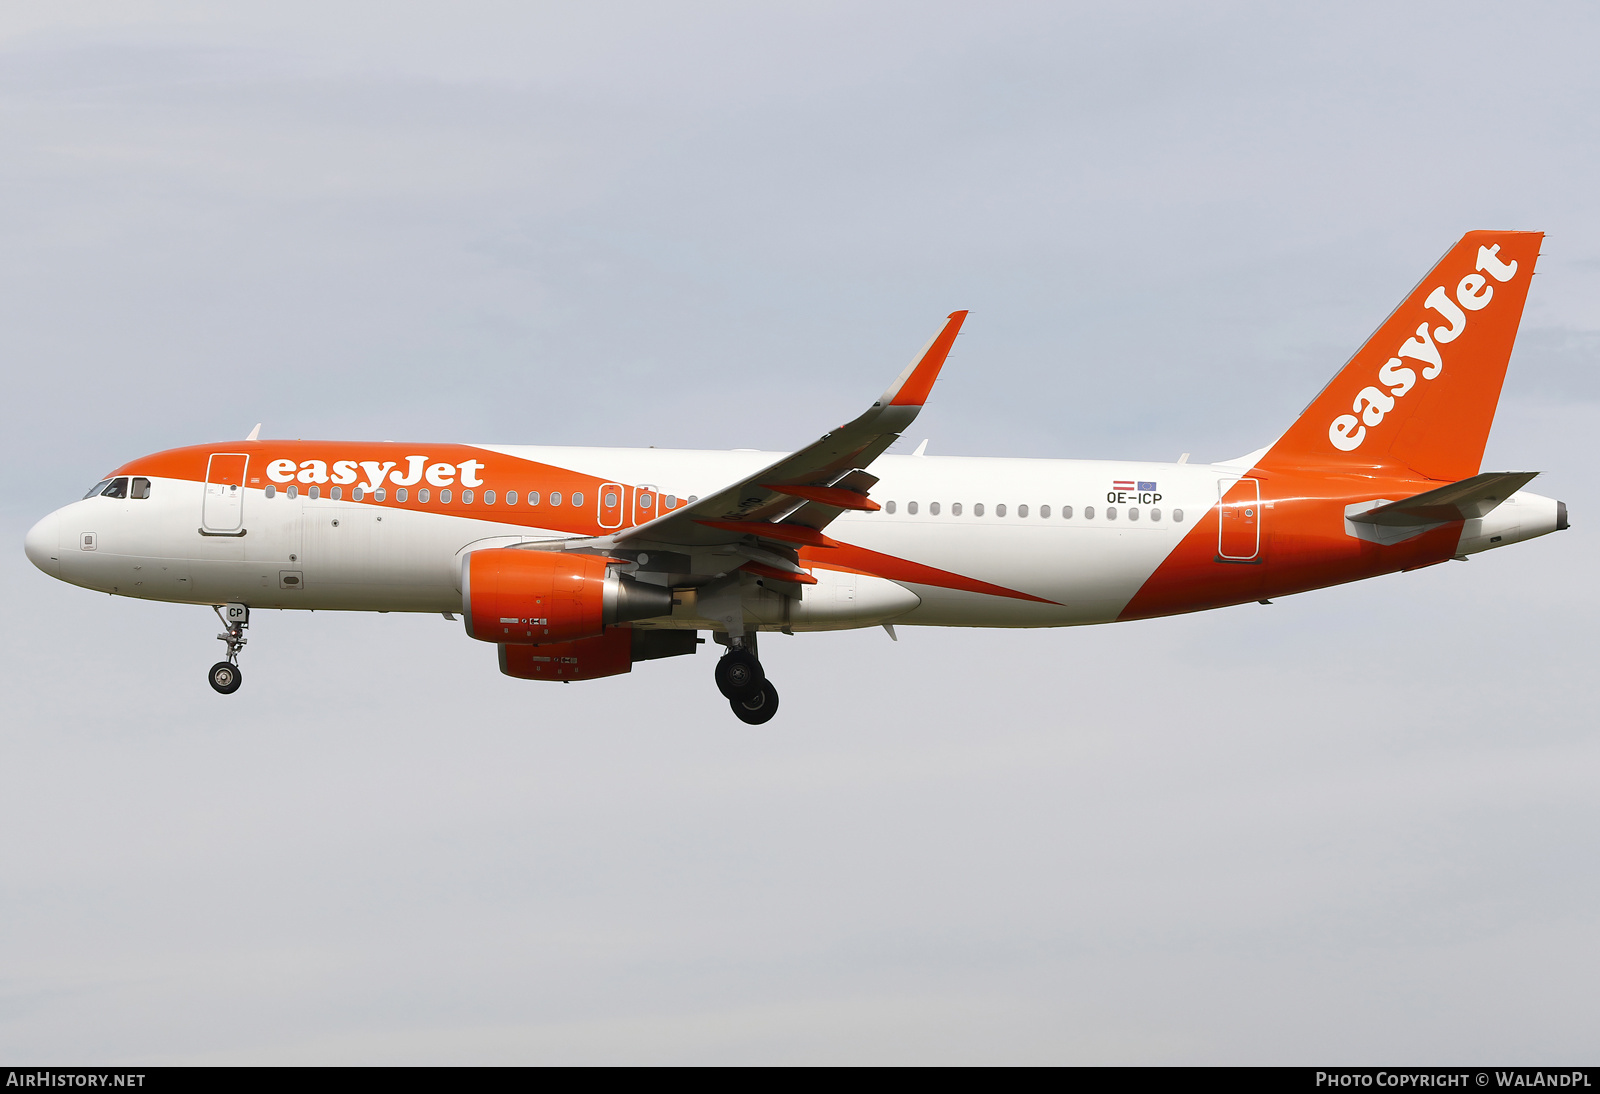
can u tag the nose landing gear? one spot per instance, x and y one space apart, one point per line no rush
224 676
744 683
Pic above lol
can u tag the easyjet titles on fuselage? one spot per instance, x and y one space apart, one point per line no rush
345 472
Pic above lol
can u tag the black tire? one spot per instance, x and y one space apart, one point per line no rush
225 678
739 674
758 707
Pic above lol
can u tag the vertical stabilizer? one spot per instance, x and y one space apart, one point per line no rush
1420 396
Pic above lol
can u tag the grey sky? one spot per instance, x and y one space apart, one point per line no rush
1358 825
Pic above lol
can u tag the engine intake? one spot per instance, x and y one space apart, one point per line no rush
538 597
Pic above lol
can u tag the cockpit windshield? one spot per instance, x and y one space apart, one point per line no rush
120 488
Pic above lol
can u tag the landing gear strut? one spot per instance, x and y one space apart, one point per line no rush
744 684
224 676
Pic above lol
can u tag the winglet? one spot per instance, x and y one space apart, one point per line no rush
254 433
912 388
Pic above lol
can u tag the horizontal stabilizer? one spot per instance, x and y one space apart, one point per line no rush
1464 500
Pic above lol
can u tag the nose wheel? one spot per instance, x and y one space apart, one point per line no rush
224 676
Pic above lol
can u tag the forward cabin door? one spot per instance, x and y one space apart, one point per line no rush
222 511
1239 524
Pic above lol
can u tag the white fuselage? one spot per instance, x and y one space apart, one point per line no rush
1004 522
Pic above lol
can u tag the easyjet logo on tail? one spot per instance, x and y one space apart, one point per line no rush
1473 293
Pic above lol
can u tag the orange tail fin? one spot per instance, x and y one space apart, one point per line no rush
1421 394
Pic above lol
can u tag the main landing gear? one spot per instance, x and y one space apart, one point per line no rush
743 683
224 676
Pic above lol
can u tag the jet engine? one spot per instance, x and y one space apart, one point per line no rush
538 597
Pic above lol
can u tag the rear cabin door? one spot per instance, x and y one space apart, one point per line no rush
223 508
1239 526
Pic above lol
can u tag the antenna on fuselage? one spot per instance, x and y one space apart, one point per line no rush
254 433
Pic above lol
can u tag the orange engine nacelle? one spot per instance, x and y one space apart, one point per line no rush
538 597
587 659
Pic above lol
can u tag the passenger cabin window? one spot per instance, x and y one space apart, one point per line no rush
1133 514
533 497
336 493
466 497
672 501
294 492
1111 512
888 507
423 495
611 498
444 497
999 510
488 497
1177 516
140 489
977 509
911 507
272 492
577 498
933 507
94 491
555 497
401 494
356 493
380 494
1066 512
1088 512
1022 510
1044 512
511 497
1155 514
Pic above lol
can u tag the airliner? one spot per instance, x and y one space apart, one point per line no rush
576 563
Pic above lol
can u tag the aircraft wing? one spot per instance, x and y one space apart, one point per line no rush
788 503
1464 500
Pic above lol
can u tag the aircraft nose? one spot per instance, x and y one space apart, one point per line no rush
43 545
